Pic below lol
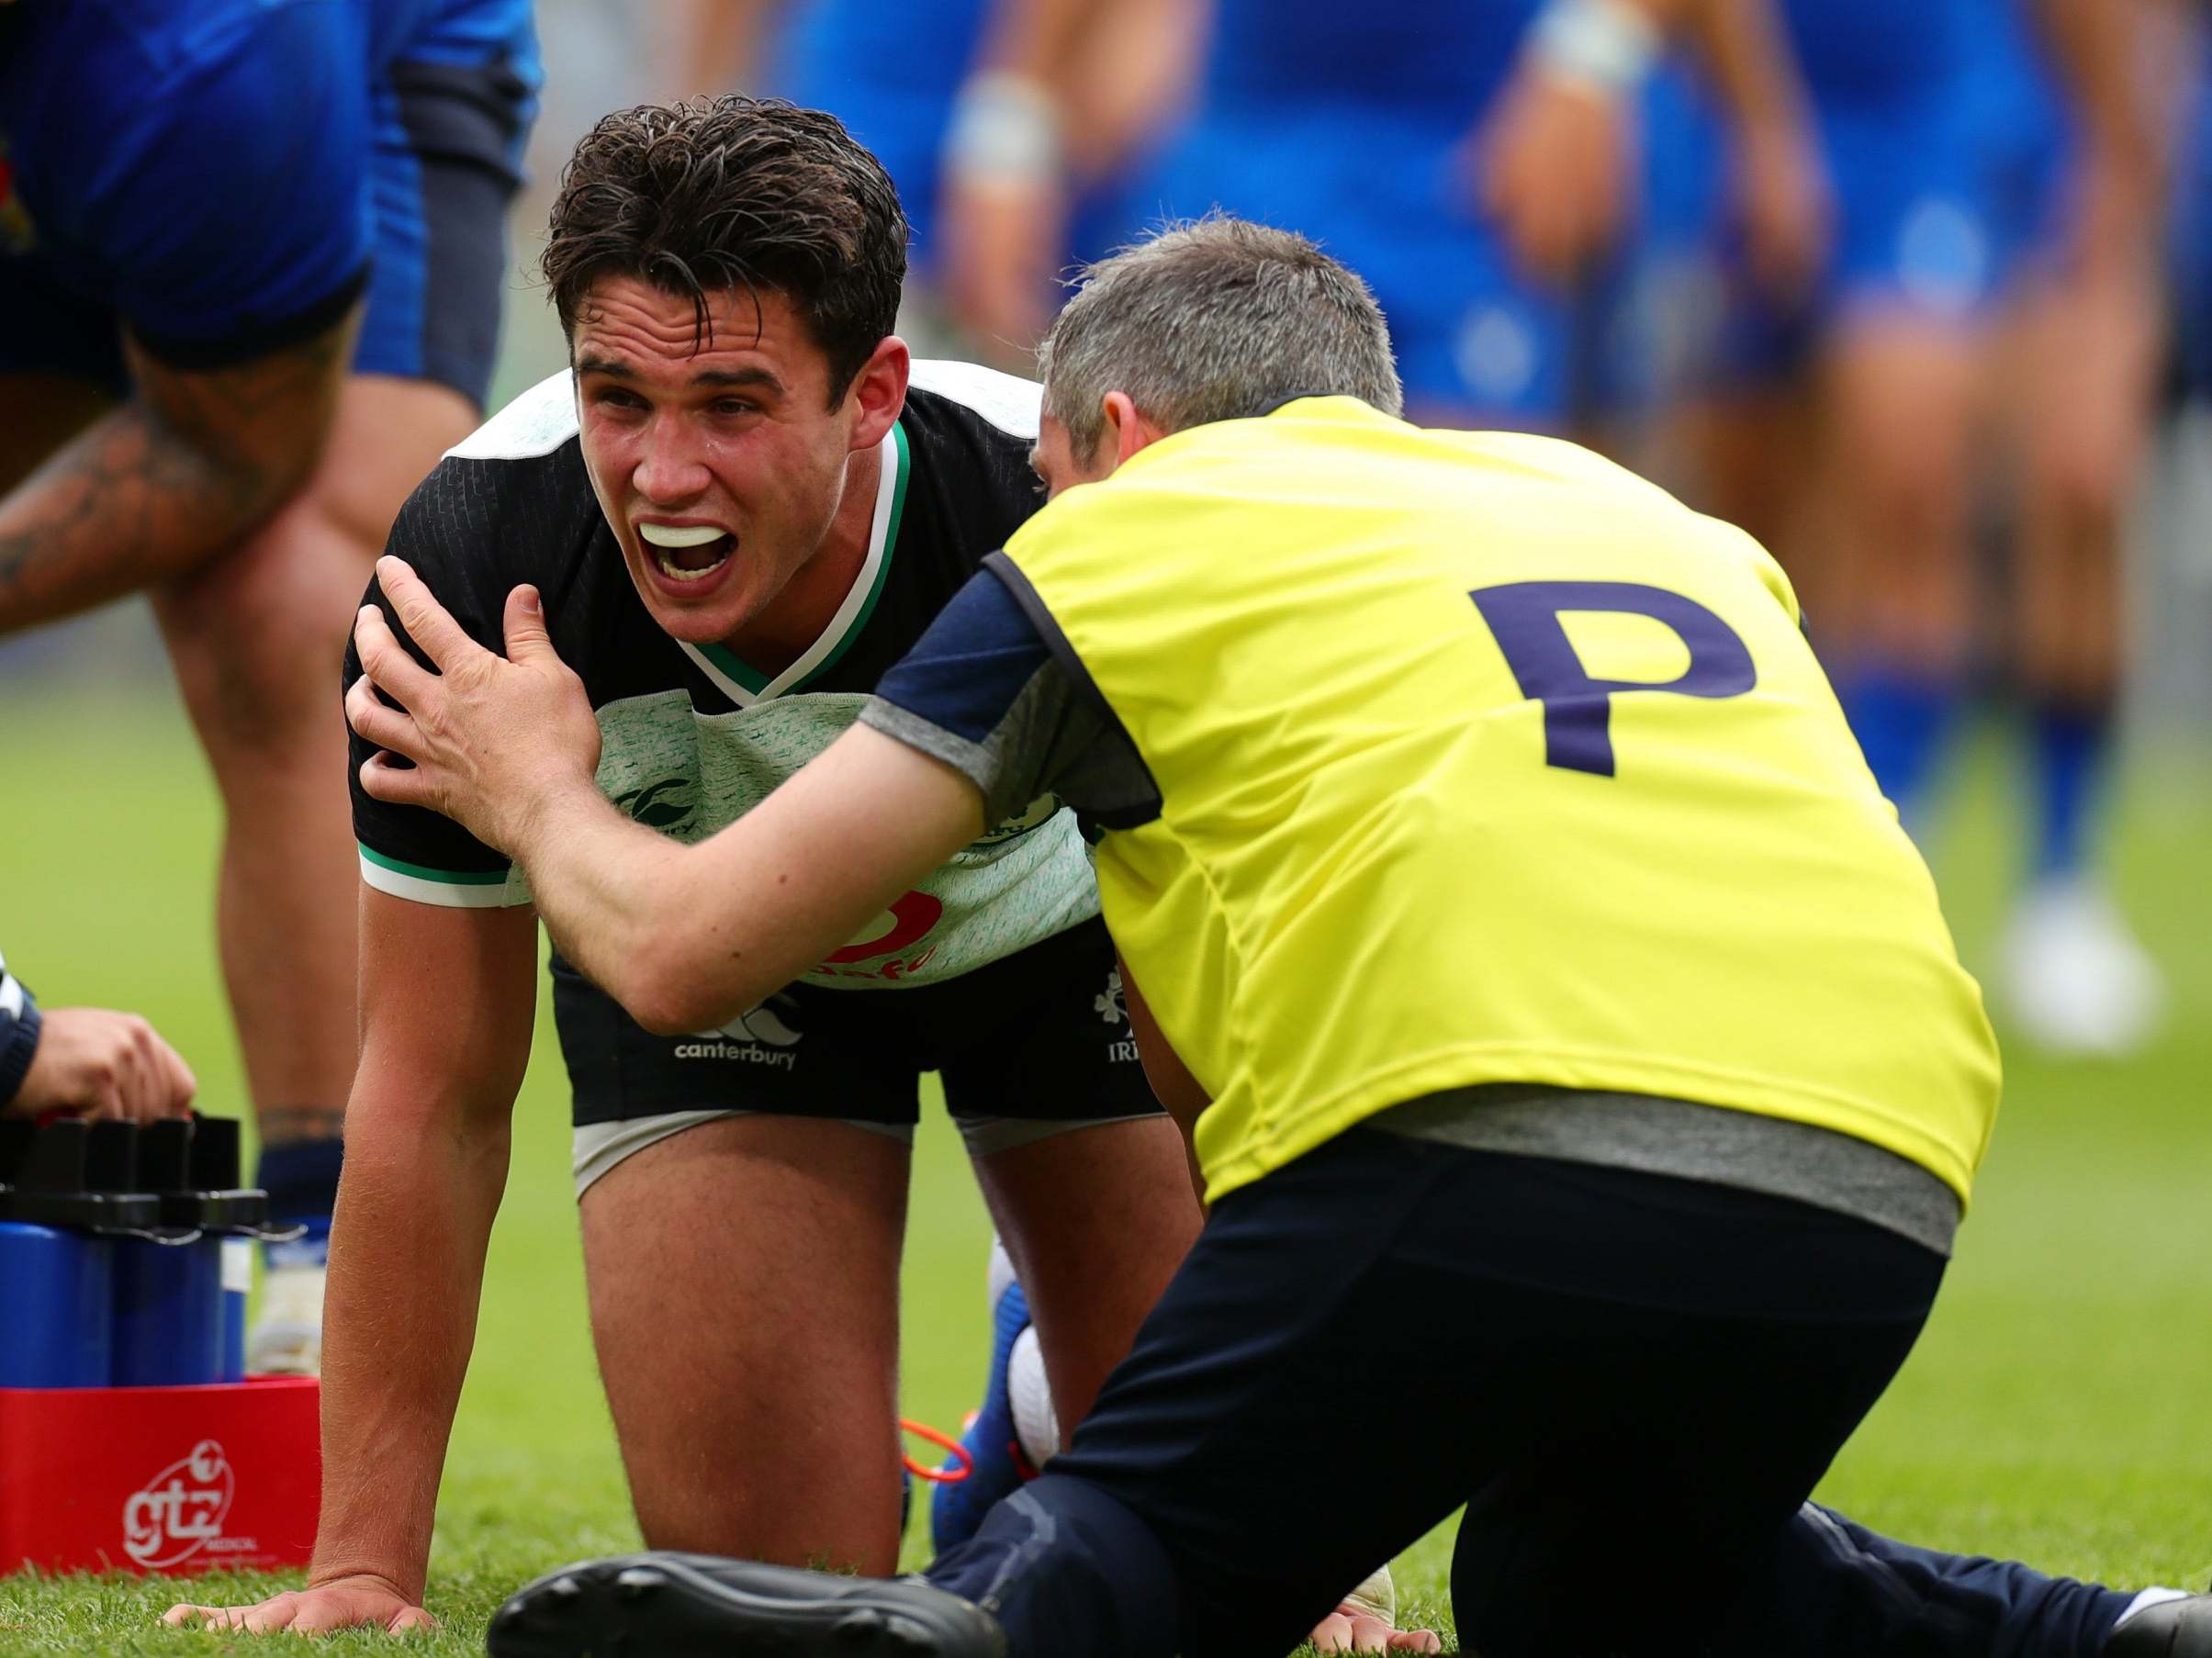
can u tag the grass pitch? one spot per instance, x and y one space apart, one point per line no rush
2055 1410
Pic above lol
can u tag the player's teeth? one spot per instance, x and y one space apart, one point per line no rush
676 572
679 535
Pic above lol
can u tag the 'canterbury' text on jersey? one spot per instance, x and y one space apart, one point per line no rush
692 735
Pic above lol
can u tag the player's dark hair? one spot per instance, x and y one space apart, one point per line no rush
717 195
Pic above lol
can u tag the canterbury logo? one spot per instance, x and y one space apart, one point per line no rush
652 805
765 1023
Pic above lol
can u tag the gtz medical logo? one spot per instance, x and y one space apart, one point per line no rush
180 1510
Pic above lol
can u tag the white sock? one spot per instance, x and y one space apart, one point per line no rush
1035 1423
1002 1271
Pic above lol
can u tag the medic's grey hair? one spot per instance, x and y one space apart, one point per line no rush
1214 320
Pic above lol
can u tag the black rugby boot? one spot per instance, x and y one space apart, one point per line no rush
2174 1628
702 1605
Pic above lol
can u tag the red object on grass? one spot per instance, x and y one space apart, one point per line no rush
943 1441
174 1480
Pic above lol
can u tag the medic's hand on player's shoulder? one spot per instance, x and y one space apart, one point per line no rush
1551 167
359 1600
493 739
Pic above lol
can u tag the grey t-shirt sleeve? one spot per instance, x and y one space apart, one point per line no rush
993 691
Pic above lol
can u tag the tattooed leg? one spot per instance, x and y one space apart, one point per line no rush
44 412
167 482
257 638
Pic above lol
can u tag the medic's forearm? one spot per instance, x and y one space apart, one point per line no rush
688 937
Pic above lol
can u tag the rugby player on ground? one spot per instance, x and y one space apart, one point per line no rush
251 259
745 503
1510 912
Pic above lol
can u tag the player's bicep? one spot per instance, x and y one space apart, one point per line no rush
447 998
410 852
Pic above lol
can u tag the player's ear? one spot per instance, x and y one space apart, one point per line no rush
879 391
1127 428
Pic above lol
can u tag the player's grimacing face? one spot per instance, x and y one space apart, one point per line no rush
720 468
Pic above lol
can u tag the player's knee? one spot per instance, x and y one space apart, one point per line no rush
256 639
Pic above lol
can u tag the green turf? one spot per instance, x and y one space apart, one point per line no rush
2054 1411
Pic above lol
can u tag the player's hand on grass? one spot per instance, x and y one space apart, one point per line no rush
360 1601
1552 168
1353 1627
98 1064
494 740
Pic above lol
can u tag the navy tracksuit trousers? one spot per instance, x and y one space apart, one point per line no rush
1633 1382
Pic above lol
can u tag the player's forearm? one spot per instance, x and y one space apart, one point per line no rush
2097 45
1742 45
164 482
1036 37
423 1184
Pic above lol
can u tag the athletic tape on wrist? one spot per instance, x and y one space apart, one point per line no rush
1004 127
1607 44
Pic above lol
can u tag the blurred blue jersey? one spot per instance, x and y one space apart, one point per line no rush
1894 112
890 73
221 175
1349 124
1860 51
1431 62
2024 131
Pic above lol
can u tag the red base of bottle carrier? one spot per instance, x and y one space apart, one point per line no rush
159 1479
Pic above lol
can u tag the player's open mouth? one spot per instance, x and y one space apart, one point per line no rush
687 552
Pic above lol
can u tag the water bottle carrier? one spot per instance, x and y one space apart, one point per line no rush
111 1269
168 1480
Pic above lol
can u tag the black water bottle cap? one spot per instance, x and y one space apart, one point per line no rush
211 1198
83 1175
216 1160
14 1146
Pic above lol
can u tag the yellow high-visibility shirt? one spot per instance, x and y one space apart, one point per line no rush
1481 759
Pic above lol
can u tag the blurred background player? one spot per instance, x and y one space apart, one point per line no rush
251 259
86 1061
1840 435
2071 115
1481 163
971 154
